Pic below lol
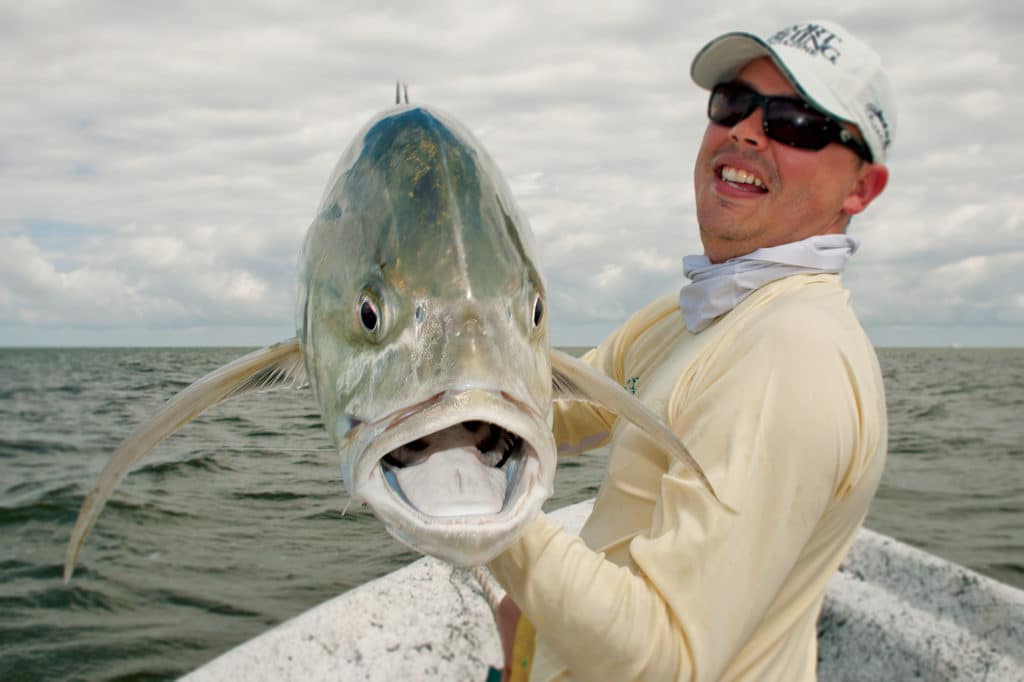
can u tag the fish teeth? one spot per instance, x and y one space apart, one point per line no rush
405 456
493 447
489 458
500 451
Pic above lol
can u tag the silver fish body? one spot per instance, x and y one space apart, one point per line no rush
422 309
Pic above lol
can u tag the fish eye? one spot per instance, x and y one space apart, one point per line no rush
369 314
419 313
538 310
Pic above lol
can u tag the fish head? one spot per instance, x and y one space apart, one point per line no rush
422 321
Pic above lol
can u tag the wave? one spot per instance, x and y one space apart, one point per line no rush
40 504
31 446
203 461
271 495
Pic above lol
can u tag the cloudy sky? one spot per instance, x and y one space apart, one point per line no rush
160 162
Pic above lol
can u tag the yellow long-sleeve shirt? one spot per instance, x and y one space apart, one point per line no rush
781 401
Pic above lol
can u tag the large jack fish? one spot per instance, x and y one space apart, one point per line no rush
423 333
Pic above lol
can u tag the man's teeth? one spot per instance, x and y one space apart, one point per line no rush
739 175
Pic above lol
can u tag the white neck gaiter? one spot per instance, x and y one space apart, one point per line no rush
718 288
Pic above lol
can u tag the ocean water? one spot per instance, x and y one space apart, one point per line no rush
241 521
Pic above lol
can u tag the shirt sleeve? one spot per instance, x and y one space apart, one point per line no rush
772 422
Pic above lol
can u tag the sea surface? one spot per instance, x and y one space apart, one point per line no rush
240 521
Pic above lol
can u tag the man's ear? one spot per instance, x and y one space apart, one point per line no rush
872 179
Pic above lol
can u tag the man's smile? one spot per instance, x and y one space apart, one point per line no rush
740 179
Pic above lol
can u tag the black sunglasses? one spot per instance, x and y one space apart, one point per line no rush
788 120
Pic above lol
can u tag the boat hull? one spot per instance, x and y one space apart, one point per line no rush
891 612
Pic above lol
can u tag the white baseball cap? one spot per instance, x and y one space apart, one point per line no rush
830 68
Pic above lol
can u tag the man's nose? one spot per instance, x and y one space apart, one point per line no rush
750 131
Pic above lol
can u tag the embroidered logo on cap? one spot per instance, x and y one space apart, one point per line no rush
813 39
878 122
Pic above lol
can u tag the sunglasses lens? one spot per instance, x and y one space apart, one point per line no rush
731 103
791 122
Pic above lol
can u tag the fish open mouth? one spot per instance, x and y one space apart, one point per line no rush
456 475
466 469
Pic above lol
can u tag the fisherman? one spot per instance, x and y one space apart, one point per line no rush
761 367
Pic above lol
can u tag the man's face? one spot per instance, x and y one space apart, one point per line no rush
801 192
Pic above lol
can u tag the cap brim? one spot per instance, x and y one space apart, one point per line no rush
721 59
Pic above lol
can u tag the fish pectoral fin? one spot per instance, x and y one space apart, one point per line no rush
573 379
278 366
